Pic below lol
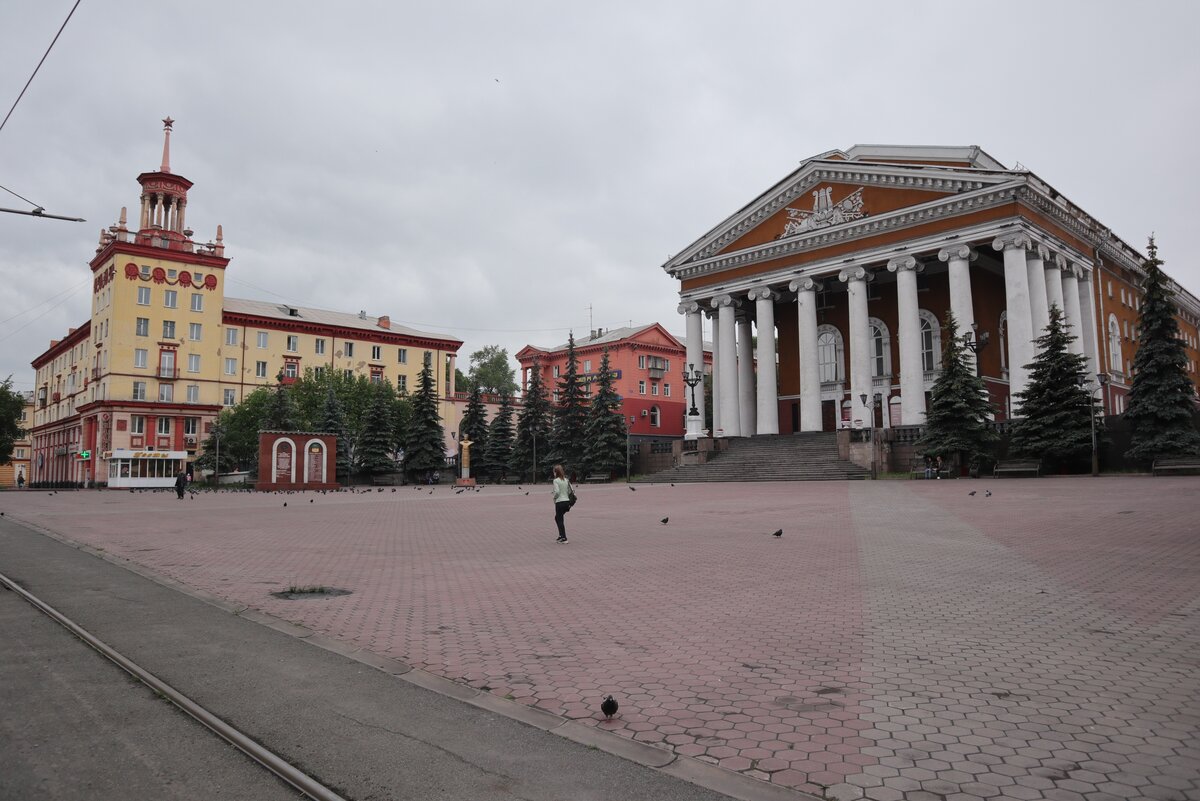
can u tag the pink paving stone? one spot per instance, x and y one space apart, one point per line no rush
911 601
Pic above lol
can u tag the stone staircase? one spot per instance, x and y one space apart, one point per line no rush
811 456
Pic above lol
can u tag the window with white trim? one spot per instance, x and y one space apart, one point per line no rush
143 296
166 394
231 336
231 367
139 357
262 340
139 390
171 299
194 331
142 327
641 387
376 352
402 355
830 354
881 349
260 369
230 398
931 341
137 424
319 346
193 393
197 302
168 329
666 390
653 387
655 417
193 362
349 349
1114 344
293 343
587 365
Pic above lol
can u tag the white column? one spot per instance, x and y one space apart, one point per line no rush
1020 319
768 394
810 378
1088 322
1039 309
1070 290
856 279
144 220
695 361
1054 282
958 259
745 351
912 371
716 371
730 414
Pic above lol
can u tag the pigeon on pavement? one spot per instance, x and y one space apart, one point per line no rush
609 706
664 520
778 533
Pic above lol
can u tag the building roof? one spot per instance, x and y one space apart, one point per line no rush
361 321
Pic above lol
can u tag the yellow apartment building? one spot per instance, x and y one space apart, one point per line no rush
141 382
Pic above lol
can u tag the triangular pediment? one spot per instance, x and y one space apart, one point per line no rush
836 189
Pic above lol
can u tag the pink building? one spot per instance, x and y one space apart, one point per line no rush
647 363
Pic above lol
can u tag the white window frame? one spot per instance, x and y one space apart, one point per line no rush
262 340
230 366
170 299
193 393
655 417
881 348
230 398
195 331
587 365
402 355
193 363
933 354
140 356
1115 362
666 390
348 349
197 302
641 387
137 424
260 369
166 394
231 336
319 346
168 329
831 355
293 343
139 390
143 296
654 388
141 327
376 352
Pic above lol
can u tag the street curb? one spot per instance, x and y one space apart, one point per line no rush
693 771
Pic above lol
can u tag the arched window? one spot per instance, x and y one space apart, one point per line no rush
829 354
1114 344
654 417
1003 329
931 341
881 349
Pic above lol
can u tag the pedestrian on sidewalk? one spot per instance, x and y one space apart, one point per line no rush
20 481
562 500
180 483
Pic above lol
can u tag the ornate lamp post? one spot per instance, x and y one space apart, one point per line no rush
975 341
692 377
870 405
217 432
1101 383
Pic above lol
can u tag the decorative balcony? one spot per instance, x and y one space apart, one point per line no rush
95 373
168 373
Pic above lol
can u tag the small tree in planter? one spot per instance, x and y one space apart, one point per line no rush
957 421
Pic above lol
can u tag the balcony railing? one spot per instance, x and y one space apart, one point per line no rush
95 373
168 373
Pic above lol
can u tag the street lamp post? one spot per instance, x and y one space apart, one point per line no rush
216 432
870 406
1101 383
692 377
975 341
631 421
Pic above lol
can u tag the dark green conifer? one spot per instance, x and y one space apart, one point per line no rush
1162 401
604 430
570 416
957 423
497 451
530 445
424 451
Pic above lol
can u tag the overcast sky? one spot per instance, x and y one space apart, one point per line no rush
505 172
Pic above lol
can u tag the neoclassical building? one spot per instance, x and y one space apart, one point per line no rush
129 395
845 269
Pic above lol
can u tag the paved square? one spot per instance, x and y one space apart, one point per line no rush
901 640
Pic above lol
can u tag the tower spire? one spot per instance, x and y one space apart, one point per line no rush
166 162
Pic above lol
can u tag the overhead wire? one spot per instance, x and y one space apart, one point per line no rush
39 66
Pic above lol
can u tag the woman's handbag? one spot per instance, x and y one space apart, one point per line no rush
571 496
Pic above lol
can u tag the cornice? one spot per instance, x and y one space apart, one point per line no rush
834 171
342 332
66 343
869 226
150 252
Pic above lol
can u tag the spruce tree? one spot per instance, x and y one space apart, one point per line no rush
498 450
333 421
281 412
570 416
530 446
424 449
1162 401
604 430
1054 425
375 441
957 421
474 426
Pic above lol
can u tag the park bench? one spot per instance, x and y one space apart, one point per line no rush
917 470
384 481
598 478
1017 467
1177 464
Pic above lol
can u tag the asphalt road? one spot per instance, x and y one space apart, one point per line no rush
74 725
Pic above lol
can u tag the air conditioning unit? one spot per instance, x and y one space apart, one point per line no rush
645 413
190 439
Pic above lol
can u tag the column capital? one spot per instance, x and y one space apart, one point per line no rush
763 293
1013 241
689 307
959 252
1038 252
723 300
854 274
1057 261
905 264
805 285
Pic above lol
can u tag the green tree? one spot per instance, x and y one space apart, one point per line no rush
604 430
498 451
1054 425
280 414
533 428
491 370
376 440
570 416
333 421
1162 401
957 421
474 427
424 449
239 428
11 404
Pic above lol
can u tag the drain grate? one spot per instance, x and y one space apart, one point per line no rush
304 593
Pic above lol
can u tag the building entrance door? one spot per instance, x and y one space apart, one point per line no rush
829 416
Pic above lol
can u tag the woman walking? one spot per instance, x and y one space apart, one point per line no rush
562 500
